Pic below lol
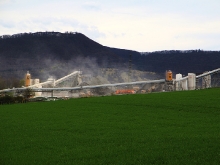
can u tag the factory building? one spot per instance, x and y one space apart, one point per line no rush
29 82
27 79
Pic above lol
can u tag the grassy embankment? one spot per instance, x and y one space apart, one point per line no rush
161 128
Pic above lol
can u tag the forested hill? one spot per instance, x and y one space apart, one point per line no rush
58 53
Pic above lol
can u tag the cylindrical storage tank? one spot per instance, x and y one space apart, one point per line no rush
36 81
178 83
169 75
178 76
191 81
28 79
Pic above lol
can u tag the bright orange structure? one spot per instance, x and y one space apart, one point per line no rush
169 75
125 91
28 79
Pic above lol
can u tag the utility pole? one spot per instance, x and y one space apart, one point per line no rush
129 68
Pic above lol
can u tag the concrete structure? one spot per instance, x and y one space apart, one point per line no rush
27 79
178 83
191 81
36 83
169 75
182 83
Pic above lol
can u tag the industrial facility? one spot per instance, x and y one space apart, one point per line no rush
74 85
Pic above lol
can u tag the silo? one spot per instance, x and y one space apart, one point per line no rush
191 81
178 83
178 76
169 75
28 79
36 81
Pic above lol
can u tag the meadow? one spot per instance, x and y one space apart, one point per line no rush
158 128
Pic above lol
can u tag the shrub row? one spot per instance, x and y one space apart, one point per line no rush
12 100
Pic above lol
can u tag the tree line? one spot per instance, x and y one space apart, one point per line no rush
11 83
37 34
12 100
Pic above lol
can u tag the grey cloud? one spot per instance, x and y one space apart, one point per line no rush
91 7
53 24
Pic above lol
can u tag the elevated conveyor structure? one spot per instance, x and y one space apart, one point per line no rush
208 79
82 87
54 83
42 84
76 73
208 73
201 81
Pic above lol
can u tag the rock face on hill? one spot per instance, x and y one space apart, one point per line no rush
57 54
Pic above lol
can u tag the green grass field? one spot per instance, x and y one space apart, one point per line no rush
160 128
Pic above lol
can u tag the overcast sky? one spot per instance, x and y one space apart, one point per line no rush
141 25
